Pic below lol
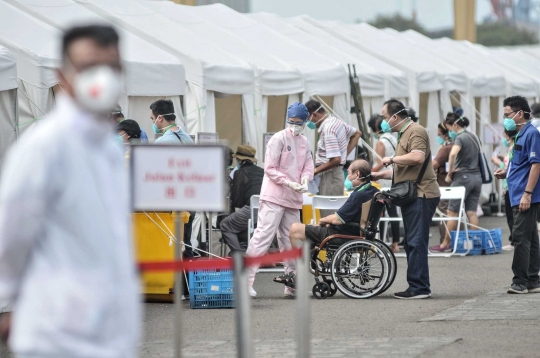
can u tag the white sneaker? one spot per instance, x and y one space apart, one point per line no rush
252 292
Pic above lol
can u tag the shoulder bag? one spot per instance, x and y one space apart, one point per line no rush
404 193
485 173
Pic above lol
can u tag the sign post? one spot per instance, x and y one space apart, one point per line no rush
178 178
266 139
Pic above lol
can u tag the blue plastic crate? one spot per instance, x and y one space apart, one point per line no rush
492 242
475 242
211 289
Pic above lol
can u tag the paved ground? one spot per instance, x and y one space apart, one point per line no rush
469 315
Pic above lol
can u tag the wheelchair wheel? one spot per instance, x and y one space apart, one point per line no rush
321 290
392 264
360 269
332 285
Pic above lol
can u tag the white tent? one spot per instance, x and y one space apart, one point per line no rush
426 73
372 80
272 76
395 83
8 101
210 72
322 75
36 49
150 73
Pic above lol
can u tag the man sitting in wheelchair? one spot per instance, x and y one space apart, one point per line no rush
346 221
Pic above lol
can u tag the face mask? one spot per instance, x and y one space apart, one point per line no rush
119 139
296 129
509 123
348 185
440 140
505 142
311 125
98 88
385 126
155 127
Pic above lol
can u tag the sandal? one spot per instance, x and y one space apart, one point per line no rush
288 279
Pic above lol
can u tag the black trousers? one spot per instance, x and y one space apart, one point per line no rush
526 263
392 212
509 214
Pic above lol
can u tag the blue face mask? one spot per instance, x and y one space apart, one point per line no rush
385 127
452 135
348 185
119 139
440 140
155 128
509 123
311 125
505 142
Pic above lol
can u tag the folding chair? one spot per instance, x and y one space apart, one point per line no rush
326 203
254 208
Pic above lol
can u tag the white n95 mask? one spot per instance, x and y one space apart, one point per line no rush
98 88
296 129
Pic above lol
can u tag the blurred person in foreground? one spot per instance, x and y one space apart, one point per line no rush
439 165
66 260
522 178
118 117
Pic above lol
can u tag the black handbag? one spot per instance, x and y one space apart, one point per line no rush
404 193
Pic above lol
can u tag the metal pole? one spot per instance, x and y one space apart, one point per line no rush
209 233
244 343
203 227
178 279
303 319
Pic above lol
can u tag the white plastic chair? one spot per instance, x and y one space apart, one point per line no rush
254 209
326 203
447 193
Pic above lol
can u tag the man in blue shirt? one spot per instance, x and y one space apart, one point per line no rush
522 177
163 117
118 117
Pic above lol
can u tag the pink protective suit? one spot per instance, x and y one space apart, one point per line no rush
288 159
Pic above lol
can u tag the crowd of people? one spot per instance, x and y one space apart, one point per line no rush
66 262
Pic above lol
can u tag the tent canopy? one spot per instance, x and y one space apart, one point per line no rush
321 75
206 65
272 76
485 79
396 84
516 82
141 59
8 70
371 79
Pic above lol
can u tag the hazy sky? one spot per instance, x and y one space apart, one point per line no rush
432 14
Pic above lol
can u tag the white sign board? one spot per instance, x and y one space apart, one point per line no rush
178 177
266 139
207 138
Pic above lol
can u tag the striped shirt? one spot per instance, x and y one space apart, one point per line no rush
334 136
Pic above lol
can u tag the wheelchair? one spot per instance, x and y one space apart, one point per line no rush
358 266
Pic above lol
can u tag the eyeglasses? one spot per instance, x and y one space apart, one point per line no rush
507 115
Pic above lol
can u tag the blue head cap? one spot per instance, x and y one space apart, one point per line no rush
298 110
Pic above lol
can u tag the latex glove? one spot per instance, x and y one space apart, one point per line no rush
294 186
305 183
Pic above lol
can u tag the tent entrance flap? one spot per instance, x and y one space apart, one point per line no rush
277 113
229 120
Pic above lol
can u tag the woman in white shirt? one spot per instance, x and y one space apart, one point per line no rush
385 147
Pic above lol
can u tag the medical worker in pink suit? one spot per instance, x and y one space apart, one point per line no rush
288 168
